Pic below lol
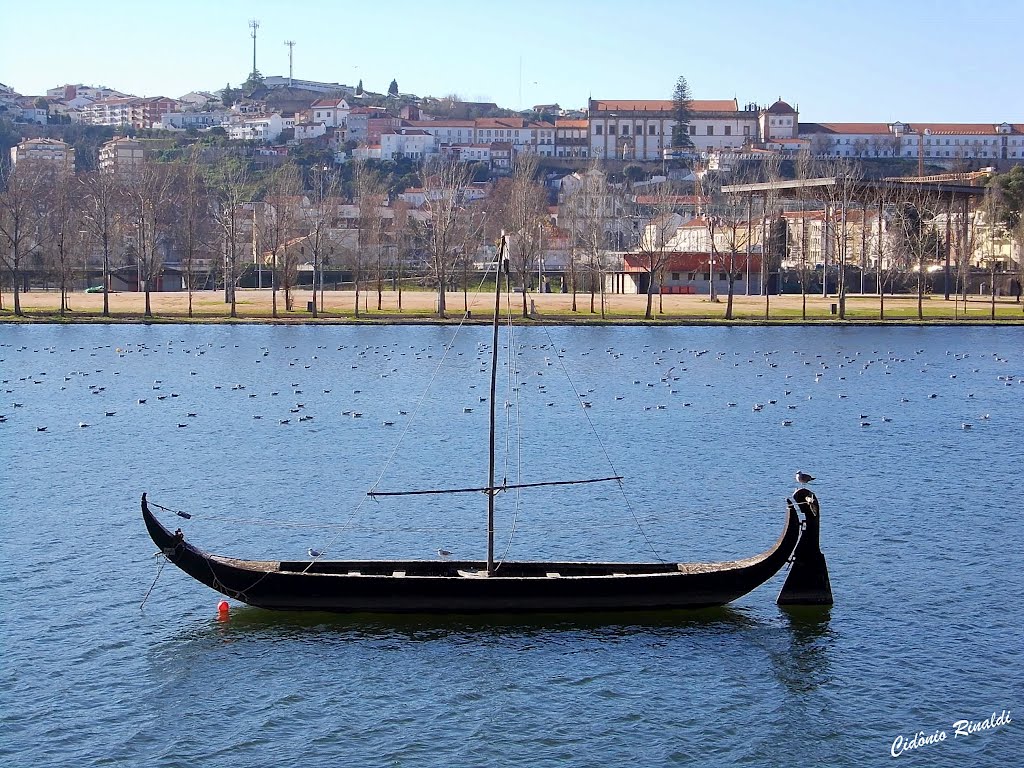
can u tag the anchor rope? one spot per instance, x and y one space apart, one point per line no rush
163 562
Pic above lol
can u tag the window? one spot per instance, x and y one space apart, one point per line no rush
625 130
693 130
651 130
598 130
611 130
728 130
746 130
691 276
675 276
711 130
722 276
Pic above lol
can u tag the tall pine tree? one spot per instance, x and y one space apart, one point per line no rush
393 88
681 114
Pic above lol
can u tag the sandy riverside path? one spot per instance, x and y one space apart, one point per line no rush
255 305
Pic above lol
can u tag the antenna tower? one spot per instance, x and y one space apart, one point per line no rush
291 47
254 24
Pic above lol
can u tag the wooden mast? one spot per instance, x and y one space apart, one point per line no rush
491 491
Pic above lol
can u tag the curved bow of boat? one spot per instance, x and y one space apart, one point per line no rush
226 575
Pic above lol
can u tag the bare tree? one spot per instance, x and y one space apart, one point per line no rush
591 206
22 218
653 242
371 197
448 181
400 238
63 237
838 199
321 218
733 228
230 185
804 170
101 211
277 226
192 222
150 196
572 216
524 214
917 237
893 256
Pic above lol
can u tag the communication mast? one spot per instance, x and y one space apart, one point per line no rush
254 24
291 46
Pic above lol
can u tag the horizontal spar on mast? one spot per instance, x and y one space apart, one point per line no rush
495 488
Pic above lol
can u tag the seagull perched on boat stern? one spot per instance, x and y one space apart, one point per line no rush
803 477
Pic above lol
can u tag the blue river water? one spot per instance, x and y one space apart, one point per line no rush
913 434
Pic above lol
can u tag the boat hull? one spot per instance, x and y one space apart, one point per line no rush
415 586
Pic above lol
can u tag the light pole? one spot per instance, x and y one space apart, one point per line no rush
712 221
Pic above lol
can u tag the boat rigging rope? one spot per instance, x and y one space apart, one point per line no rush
447 350
437 369
513 377
604 449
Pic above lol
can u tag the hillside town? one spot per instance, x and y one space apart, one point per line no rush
285 182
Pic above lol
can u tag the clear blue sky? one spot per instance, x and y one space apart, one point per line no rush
871 60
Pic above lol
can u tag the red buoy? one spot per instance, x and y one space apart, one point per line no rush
223 607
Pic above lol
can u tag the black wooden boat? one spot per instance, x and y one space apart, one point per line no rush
425 586
444 586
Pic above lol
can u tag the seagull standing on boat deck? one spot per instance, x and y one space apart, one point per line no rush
803 477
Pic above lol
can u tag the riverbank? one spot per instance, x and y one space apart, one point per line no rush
420 307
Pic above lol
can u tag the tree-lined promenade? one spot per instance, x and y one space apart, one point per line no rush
421 306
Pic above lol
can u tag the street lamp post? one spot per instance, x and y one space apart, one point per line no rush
712 221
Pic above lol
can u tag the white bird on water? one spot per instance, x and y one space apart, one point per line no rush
803 477
314 552
442 553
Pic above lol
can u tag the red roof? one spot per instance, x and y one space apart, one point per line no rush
663 105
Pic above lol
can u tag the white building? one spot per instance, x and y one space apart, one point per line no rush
523 135
266 128
180 121
367 152
121 156
642 129
96 93
572 138
406 142
307 131
331 112
278 81
49 151
447 131
199 98
34 115
934 142
469 153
